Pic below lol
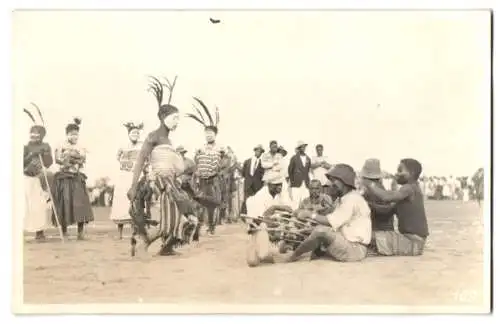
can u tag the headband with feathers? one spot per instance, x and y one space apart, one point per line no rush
209 122
30 115
40 127
157 87
130 126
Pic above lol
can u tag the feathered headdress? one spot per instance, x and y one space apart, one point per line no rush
74 126
209 122
157 87
130 126
38 127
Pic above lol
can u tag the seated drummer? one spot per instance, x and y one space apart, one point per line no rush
346 232
261 207
317 202
269 199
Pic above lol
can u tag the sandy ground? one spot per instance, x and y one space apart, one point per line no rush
100 270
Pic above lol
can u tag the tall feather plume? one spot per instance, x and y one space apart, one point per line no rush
170 87
39 113
29 115
199 113
217 116
193 116
207 112
157 88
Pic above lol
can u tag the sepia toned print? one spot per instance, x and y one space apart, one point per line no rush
260 161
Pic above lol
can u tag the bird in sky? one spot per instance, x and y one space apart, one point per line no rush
214 21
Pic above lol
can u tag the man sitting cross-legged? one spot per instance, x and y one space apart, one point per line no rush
346 232
318 203
267 202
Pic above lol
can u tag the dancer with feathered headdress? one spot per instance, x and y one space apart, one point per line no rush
70 194
208 163
174 209
37 213
126 157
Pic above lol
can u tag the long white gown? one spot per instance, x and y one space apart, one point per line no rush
38 211
121 204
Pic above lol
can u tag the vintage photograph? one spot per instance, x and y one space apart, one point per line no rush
275 160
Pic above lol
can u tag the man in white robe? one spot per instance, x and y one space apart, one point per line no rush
263 205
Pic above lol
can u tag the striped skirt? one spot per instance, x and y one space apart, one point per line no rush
171 211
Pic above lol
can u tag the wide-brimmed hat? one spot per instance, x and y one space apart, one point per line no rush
300 144
371 169
180 149
259 148
344 173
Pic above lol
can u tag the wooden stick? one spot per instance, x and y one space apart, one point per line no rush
44 170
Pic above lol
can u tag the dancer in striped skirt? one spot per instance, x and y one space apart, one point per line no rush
174 209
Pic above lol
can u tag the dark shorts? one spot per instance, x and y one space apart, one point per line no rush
393 243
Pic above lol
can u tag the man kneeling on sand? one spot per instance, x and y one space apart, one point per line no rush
266 203
345 233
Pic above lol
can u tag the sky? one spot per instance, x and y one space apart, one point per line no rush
365 84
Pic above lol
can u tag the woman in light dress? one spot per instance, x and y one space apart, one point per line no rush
126 157
37 208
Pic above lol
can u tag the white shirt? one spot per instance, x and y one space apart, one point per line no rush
351 217
303 158
387 184
319 173
253 165
262 200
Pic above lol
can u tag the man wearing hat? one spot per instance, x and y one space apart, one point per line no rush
382 213
345 233
252 173
298 173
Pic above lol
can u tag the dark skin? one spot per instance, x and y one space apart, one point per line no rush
340 188
377 207
147 147
403 176
275 189
36 147
273 148
302 150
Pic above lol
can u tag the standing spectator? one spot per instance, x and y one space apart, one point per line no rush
252 174
319 166
298 172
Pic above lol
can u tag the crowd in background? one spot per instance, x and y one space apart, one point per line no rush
434 188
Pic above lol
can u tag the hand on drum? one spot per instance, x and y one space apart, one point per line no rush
304 214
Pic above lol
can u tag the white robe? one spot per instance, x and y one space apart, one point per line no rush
38 211
121 204
262 200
